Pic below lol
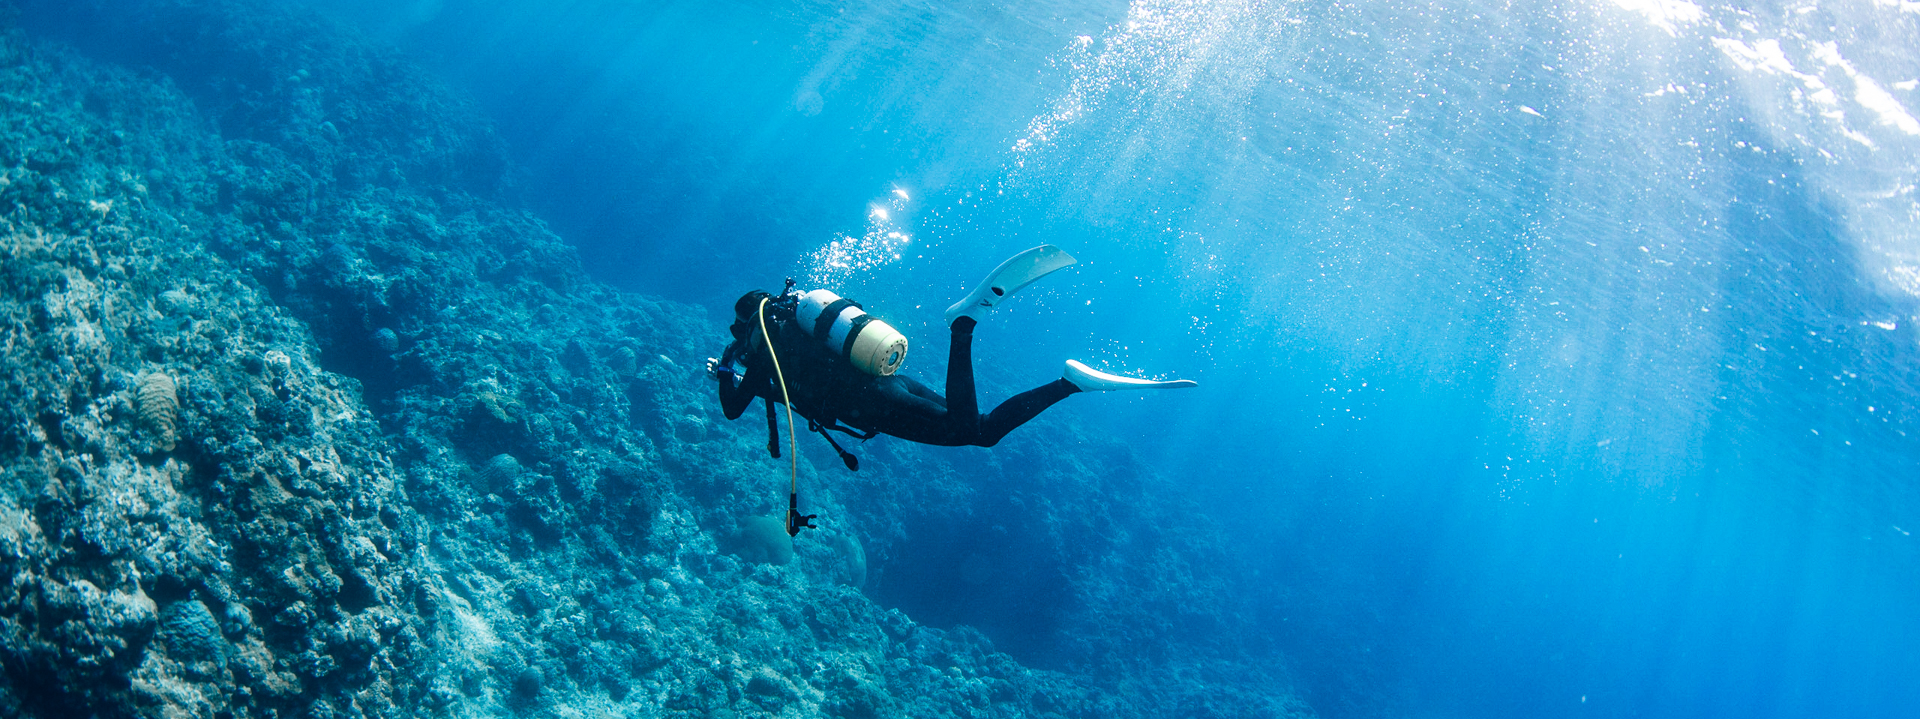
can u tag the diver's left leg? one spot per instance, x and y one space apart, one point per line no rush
910 410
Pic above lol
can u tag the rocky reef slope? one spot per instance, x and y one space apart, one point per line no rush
300 416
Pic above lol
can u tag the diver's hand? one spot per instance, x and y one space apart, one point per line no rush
717 370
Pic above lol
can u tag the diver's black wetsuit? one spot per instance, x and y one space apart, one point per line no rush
826 390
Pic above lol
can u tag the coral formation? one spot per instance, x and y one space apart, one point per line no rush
763 540
159 405
415 463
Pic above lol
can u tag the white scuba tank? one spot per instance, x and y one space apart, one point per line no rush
868 342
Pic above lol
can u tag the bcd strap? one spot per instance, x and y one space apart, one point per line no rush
859 323
823 324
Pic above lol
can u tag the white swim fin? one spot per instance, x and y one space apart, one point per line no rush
1017 272
1089 379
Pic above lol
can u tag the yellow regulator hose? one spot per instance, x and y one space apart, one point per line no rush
793 489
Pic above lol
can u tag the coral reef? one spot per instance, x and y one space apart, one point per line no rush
230 542
300 416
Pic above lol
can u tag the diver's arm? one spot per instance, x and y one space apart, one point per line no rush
734 398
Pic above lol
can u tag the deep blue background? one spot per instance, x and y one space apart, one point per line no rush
1492 457
1537 343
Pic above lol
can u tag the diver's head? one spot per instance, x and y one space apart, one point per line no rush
748 304
743 313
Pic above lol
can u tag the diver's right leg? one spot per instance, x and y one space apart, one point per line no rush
1020 408
1077 378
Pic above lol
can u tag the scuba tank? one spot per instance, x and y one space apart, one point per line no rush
847 330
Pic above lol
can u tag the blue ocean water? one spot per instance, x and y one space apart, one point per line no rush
1556 359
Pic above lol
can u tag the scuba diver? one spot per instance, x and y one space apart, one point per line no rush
839 366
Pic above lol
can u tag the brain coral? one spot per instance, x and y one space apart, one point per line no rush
498 474
763 540
159 405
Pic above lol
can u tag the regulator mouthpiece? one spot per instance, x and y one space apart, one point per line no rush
795 520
